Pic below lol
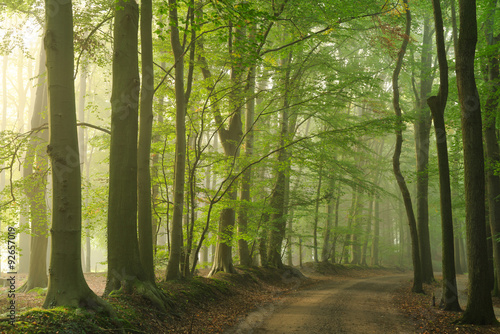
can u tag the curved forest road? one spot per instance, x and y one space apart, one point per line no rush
335 306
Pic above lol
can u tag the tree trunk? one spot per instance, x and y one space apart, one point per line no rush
67 286
367 233
35 187
246 179
417 272
230 139
316 214
357 228
144 205
376 235
125 271
479 309
278 196
491 140
437 104
422 132
330 209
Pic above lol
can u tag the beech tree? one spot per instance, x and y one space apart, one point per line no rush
417 272
479 309
67 286
173 268
437 104
34 171
125 271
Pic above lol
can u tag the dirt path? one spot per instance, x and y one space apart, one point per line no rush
335 306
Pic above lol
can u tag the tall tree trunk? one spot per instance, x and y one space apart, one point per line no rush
422 132
357 228
125 271
83 158
278 196
35 187
479 309
144 211
330 209
449 300
367 233
316 214
491 140
230 138
246 180
376 234
417 272
67 286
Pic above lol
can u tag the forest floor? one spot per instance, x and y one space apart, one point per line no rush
331 299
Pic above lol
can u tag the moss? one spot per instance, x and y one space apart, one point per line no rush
58 320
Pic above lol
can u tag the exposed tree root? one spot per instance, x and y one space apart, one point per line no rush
30 285
147 290
477 319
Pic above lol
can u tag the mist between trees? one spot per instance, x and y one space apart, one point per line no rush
154 141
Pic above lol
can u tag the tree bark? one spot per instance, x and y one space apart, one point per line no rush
330 209
367 233
316 214
125 271
67 286
144 205
35 187
437 104
376 234
245 258
417 272
491 140
278 196
479 309
422 132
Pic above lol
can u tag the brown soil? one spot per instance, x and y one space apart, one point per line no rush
336 305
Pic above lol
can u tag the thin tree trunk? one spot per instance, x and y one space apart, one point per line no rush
35 188
330 208
144 205
316 215
422 132
417 272
376 235
246 180
278 196
367 233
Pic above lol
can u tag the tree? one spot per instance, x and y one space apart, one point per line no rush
490 137
125 270
144 205
417 273
437 104
67 286
422 131
173 269
479 309
35 186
